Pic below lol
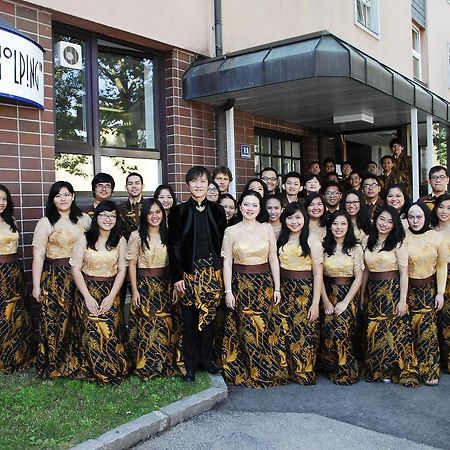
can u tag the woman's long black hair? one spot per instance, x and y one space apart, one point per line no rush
8 214
427 214
308 200
169 188
329 243
396 235
434 217
290 210
263 215
406 196
52 213
363 217
115 234
143 225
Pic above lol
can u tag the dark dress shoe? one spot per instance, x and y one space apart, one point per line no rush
190 375
211 368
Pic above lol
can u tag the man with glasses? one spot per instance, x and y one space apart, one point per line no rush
332 196
130 209
438 177
102 189
270 176
371 189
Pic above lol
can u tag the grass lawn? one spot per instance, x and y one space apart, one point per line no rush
56 414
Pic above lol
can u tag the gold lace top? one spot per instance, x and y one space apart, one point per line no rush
58 241
446 233
249 247
317 230
428 254
385 261
359 234
148 258
100 262
9 240
342 265
291 258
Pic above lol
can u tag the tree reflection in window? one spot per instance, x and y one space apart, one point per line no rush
125 101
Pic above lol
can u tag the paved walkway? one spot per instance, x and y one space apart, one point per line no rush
325 416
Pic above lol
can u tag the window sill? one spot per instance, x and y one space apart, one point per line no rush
368 30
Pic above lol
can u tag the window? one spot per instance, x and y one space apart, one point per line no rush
417 63
104 110
282 152
366 14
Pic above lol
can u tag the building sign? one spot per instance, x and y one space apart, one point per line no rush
21 69
245 151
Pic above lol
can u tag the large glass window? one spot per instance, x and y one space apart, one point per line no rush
104 108
416 53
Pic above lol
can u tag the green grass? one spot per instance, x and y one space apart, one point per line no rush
56 414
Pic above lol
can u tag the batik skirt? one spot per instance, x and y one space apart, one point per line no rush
301 338
444 329
154 330
337 359
102 349
253 344
390 347
17 347
57 348
424 329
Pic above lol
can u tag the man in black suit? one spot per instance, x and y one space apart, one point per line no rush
196 229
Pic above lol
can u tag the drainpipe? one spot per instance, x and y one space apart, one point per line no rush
220 124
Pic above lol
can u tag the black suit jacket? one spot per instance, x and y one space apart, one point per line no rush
182 240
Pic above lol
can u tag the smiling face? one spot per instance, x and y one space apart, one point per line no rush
314 168
257 187
166 199
229 207
397 150
273 207
387 164
155 216
332 196
292 186
250 207
439 181
212 193
339 227
270 178
352 204
295 222
63 200
312 185
371 189
346 170
103 191
416 218
355 181
134 187
384 223
395 198
3 201
316 209
442 211
107 220
198 187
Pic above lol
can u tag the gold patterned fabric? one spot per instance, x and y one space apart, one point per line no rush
382 261
102 348
154 330
302 337
156 256
342 265
9 240
203 289
253 344
424 329
17 347
248 247
337 359
444 329
317 230
290 255
390 349
57 348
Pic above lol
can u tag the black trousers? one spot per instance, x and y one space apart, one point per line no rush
197 346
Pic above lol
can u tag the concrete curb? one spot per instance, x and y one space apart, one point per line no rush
146 426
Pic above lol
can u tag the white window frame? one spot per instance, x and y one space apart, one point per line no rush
371 22
416 53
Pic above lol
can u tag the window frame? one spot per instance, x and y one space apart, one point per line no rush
373 6
92 146
417 54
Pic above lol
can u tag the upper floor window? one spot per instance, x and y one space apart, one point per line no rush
416 53
366 13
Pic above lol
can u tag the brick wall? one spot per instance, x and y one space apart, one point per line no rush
27 164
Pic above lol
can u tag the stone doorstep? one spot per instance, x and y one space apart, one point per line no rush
138 430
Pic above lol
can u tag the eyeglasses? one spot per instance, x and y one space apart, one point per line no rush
438 177
101 187
266 179
350 203
332 194
212 190
370 186
105 215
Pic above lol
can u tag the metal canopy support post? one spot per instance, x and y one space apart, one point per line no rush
414 154
231 161
430 151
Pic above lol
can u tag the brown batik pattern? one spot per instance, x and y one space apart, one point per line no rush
154 330
102 350
301 337
57 349
253 343
337 359
424 330
390 347
16 334
444 329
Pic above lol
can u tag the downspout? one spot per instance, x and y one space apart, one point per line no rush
220 124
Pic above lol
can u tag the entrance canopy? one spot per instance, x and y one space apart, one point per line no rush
316 80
